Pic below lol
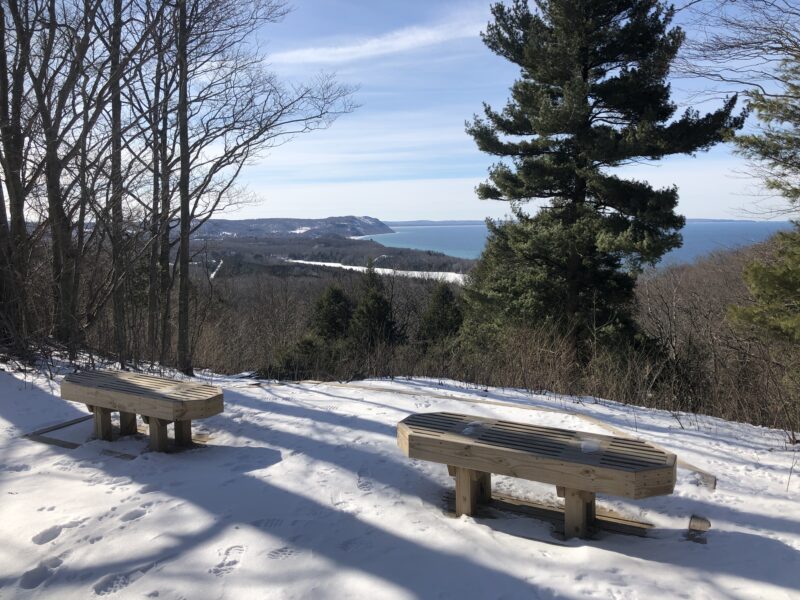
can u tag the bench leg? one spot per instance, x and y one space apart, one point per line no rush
484 481
102 423
183 433
127 423
158 434
579 512
466 492
478 490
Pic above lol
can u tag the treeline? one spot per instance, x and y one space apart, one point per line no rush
243 255
345 326
124 125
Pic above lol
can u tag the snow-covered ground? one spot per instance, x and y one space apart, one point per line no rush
447 276
301 492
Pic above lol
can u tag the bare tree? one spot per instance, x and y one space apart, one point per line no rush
738 45
230 108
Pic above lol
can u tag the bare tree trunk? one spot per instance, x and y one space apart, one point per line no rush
165 270
184 349
13 229
155 219
117 231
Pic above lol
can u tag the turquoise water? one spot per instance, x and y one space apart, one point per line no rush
699 238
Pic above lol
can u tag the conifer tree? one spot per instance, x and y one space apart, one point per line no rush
372 321
593 95
332 314
442 316
775 286
775 153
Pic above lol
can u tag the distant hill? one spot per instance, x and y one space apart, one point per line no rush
348 226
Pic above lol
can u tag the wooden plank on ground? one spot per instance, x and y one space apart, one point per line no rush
605 519
59 426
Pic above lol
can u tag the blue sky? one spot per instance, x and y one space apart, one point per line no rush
421 71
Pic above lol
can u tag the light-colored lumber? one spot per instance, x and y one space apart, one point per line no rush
472 488
466 491
158 434
143 394
183 433
577 460
484 482
160 401
605 518
579 511
102 423
127 423
579 464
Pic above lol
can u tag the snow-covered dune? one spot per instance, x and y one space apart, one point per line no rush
301 492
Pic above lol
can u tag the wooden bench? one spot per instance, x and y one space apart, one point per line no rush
579 464
160 402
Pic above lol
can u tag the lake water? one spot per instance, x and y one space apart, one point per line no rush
699 238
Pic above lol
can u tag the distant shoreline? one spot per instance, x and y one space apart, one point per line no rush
456 223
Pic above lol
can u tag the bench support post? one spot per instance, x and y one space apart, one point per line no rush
102 423
183 433
158 434
579 512
127 423
484 481
472 488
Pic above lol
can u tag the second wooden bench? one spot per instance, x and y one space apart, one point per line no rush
160 402
579 464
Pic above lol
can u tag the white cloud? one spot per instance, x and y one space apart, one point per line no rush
388 199
709 188
393 42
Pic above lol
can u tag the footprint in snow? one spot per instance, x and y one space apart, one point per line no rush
51 533
282 553
364 483
136 513
37 576
115 582
48 535
231 558
267 523
15 468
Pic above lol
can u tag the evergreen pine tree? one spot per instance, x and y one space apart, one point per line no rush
332 314
775 286
372 321
442 316
775 149
775 152
593 95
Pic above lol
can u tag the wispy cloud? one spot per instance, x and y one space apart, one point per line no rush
393 42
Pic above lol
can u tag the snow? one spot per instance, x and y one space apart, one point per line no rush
219 266
300 230
458 278
301 492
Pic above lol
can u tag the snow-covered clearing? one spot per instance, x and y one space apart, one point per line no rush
447 276
301 492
